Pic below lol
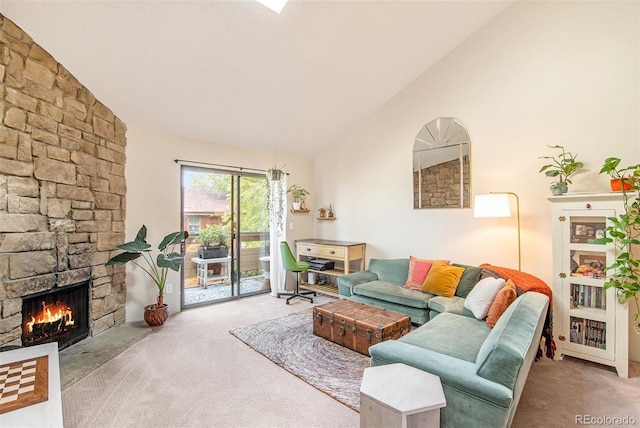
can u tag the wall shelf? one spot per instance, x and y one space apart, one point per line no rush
325 218
299 211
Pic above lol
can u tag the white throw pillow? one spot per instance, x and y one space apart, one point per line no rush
481 296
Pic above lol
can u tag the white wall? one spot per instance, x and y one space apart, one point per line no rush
540 73
153 197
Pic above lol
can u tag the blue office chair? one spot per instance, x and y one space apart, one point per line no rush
290 264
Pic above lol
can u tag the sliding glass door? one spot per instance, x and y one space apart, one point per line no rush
227 252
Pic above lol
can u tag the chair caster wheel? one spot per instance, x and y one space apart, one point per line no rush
287 302
311 301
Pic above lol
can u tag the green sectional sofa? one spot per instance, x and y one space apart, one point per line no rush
482 370
381 286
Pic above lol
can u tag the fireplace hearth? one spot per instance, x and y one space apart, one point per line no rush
58 315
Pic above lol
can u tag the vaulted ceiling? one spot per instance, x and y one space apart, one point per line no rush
235 72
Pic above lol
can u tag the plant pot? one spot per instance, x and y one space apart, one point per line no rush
296 206
618 183
156 316
215 252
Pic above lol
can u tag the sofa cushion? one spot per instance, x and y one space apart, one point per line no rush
453 335
393 293
442 280
504 298
394 271
480 298
418 271
454 305
469 279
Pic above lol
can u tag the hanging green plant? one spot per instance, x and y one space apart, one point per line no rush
624 233
277 200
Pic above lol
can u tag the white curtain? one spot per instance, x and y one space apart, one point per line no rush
277 231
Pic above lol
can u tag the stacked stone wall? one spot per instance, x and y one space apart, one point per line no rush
441 185
62 186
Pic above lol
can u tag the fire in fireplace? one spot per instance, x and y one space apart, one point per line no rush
58 315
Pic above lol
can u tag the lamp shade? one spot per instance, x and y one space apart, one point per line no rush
493 205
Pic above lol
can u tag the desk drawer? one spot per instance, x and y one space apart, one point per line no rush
332 252
308 250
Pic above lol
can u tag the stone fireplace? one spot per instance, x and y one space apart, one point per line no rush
62 188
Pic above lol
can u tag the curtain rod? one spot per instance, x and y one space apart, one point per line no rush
240 168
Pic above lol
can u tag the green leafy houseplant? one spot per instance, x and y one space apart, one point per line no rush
206 236
562 167
157 268
298 193
626 176
624 232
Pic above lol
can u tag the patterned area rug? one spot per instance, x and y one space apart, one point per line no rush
290 343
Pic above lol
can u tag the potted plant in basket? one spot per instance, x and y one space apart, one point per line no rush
563 166
299 195
624 232
157 269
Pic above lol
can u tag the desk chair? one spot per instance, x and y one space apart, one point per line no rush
290 264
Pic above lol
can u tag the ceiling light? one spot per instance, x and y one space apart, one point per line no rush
274 5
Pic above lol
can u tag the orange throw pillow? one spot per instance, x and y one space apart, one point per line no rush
418 270
504 298
443 280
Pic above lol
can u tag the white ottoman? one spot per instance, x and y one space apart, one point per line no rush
397 395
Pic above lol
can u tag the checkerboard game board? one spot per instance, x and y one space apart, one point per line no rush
24 383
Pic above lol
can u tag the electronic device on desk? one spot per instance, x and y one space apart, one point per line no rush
320 264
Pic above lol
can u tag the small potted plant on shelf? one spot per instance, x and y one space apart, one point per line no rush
157 268
621 178
624 232
299 195
562 167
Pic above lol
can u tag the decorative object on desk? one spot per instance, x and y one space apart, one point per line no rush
496 204
322 213
624 232
213 234
299 195
562 167
155 314
622 179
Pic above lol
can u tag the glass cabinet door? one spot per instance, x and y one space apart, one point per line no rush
588 320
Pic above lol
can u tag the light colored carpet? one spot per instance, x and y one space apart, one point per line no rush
192 373
290 343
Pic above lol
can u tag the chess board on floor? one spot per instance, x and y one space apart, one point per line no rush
24 383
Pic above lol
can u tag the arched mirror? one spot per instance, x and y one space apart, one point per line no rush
442 165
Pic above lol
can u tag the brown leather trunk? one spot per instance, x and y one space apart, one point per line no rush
358 326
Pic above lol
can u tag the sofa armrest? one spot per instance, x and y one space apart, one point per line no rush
453 372
347 282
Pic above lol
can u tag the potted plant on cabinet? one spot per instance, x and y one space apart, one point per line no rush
562 167
621 178
624 232
157 269
299 195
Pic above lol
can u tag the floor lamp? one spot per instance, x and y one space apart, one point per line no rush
496 204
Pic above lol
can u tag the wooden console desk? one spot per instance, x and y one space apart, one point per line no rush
343 252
